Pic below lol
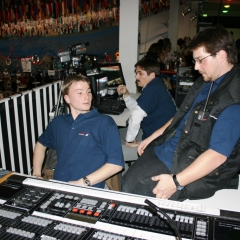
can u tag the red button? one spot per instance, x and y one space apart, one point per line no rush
82 211
96 214
75 210
89 212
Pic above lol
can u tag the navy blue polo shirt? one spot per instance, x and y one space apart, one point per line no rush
159 105
225 134
83 145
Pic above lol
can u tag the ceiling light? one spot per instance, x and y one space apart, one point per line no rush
186 11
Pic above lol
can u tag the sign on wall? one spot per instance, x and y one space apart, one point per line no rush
26 64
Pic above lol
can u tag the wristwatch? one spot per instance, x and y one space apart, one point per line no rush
179 187
86 181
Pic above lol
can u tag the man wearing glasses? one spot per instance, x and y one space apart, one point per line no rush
197 152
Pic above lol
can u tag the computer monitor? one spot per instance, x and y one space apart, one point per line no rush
113 72
99 84
102 85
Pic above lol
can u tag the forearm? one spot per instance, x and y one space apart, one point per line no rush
38 158
134 123
101 174
160 131
130 102
202 166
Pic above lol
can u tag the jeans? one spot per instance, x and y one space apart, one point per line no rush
137 179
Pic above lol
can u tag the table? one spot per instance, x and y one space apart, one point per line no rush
122 119
22 88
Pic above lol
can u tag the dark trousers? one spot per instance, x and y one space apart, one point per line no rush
137 179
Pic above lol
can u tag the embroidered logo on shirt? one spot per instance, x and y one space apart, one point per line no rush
83 134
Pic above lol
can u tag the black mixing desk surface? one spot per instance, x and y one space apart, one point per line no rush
39 209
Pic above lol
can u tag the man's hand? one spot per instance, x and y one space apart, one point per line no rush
165 187
123 90
132 145
38 176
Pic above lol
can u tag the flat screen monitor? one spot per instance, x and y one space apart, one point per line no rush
99 84
114 74
102 85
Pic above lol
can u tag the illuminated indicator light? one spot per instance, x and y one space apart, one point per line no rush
204 15
75 210
96 214
225 11
227 6
113 204
82 211
89 212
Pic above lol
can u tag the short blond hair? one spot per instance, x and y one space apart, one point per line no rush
71 79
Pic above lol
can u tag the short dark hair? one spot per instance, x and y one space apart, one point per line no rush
180 42
214 39
155 48
149 65
71 79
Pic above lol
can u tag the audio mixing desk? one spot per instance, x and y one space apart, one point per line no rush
32 208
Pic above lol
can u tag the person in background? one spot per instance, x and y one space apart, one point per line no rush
14 85
18 74
2 81
38 77
30 81
87 143
154 51
238 48
5 73
152 109
47 79
181 45
187 40
167 48
197 152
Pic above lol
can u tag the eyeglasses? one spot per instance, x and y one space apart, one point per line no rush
201 60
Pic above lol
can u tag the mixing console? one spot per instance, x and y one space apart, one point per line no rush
34 212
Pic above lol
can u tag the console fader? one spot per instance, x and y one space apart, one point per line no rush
47 212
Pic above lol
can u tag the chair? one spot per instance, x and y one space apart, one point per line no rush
114 182
129 154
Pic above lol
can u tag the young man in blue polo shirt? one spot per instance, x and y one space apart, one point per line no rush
198 151
153 108
87 143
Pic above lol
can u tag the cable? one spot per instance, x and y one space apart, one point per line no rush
209 92
156 209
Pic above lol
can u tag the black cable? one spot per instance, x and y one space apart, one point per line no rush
156 209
